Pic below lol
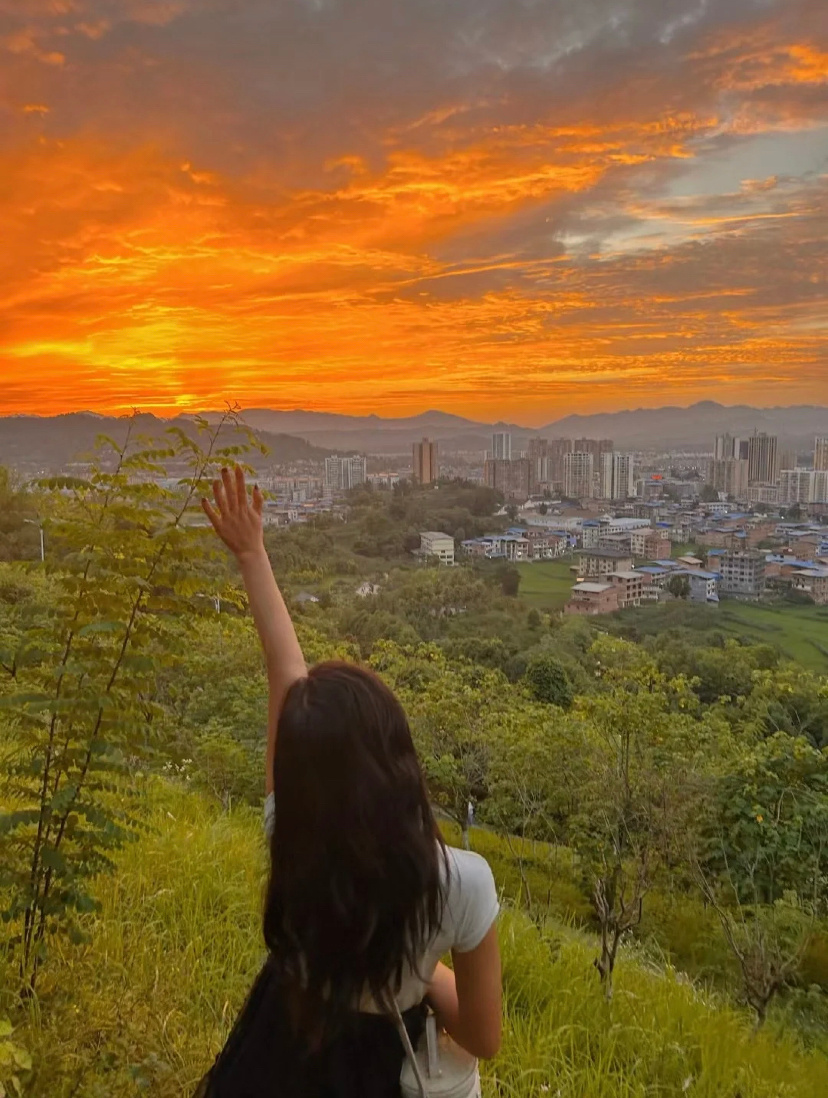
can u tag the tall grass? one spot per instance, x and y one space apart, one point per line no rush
145 1007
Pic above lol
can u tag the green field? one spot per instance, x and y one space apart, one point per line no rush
800 632
546 584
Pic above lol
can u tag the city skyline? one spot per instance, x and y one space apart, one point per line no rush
511 211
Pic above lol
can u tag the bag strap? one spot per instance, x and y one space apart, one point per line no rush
409 1051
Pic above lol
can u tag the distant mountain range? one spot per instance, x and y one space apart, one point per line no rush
692 428
47 444
42 446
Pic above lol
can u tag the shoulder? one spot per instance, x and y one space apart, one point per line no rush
471 904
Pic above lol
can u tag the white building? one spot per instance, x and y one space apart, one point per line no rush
343 473
617 476
435 544
502 446
803 486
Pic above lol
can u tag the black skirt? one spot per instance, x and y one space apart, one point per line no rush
261 1058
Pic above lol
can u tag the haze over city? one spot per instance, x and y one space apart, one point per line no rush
508 211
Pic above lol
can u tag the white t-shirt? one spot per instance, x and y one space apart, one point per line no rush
470 908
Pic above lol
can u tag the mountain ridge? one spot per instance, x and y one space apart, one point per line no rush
290 432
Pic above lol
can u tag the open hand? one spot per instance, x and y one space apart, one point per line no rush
238 520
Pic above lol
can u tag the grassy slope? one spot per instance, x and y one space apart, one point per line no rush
795 630
176 944
546 584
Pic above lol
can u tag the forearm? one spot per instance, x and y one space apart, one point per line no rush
283 654
273 622
442 994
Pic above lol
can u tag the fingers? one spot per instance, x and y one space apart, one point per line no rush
211 514
241 488
220 498
229 491
258 500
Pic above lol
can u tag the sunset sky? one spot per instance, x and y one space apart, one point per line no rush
501 208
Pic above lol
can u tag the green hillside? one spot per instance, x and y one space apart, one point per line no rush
143 1009
546 584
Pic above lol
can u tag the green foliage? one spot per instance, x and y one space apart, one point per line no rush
646 751
19 522
176 944
509 579
765 833
14 1061
548 681
679 587
79 683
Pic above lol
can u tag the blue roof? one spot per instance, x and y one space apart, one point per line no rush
716 552
667 563
653 570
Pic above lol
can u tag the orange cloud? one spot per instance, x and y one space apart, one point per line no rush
487 254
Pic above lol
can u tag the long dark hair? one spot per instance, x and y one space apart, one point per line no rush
355 888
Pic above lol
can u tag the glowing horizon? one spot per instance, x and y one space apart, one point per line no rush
363 208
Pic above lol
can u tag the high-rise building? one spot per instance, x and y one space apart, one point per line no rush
538 455
617 476
579 471
763 459
821 454
343 473
730 448
426 469
594 446
557 450
729 475
502 446
511 477
803 486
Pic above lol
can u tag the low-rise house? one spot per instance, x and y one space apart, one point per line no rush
654 543
704 586
690 562
515 547
630 587
433 543
547 544
668 564
593 598
600 562
742 574
654 579
813 582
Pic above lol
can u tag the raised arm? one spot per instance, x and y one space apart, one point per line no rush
238 522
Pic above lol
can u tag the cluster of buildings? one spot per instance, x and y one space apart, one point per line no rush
627 560
754 470
610 578
582 468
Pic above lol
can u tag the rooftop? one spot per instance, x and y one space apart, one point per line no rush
607 554
592 588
